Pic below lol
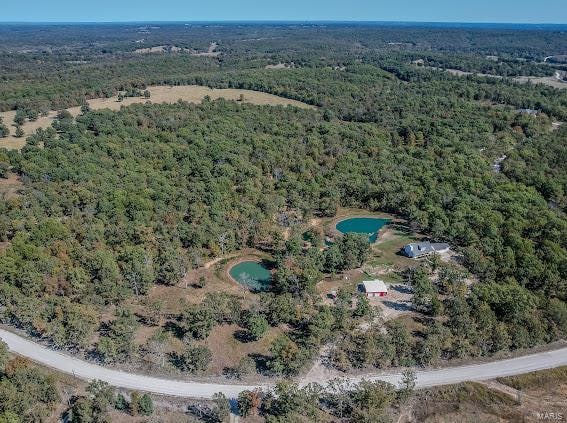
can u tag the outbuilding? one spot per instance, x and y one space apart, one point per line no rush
375 288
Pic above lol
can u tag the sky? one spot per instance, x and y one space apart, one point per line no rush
503 11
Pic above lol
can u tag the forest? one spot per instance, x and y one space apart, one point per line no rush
116 203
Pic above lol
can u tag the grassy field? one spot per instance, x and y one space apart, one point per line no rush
223 341
159 94
386 250
542 379
465 402
523 398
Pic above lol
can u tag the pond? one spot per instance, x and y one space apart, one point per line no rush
362 225
252 274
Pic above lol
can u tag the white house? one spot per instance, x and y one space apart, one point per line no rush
375 288
422 249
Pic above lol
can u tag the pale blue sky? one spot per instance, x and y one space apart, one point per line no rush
516 11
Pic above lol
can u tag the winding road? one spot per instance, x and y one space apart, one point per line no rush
88 371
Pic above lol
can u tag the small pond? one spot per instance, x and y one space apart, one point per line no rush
362 225
252 274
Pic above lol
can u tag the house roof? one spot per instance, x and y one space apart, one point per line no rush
419 248
375 286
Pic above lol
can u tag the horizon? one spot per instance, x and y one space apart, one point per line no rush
546 12
287 22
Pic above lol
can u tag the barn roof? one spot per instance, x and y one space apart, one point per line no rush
375 286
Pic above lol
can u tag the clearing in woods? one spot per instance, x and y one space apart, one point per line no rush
159 94
10 187
555 81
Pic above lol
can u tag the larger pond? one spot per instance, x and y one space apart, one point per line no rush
252 274
362 225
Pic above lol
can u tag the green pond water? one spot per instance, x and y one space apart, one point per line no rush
362 225
252 274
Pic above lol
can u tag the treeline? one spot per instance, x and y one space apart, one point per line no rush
61 84
375 93
491 65
540 163
27 394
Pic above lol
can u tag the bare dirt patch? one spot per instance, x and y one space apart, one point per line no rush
148 50
159 94
10 186
281 66
211 51
397 303
347 280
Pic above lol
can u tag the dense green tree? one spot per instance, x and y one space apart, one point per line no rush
371 401
172 265
249 402
82 411
4 130
25 391
246 366
224 307
286 355
117 344
194 359
4 355
101 395
256 324
289 402
197 321
278 308
347 252
424 293
222 406
401 341
20 117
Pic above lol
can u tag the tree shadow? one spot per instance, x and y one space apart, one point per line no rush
174 329
104 328
425 321
145 320
398 306
230 373
94 355
400 227
402 289
243 336
202 412
268 264
262 363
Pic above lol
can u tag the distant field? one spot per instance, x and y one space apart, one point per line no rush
546 80
159 94
552 81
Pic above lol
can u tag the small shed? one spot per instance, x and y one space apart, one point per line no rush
375 288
